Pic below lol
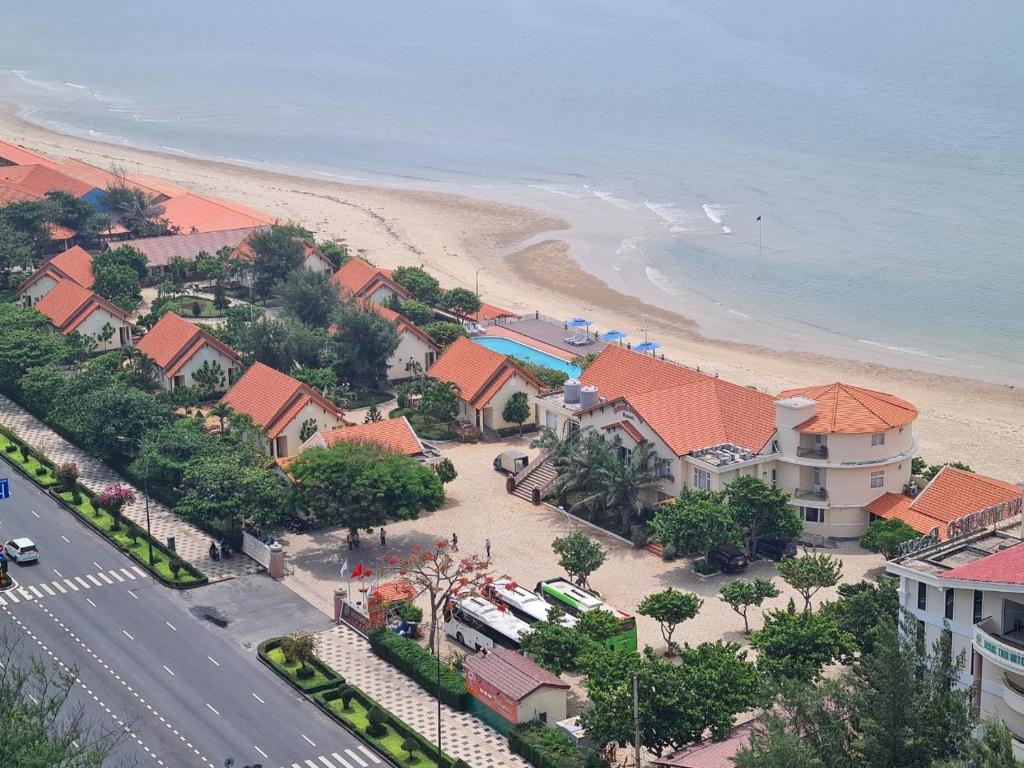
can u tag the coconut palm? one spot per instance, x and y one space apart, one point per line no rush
132 208
221 411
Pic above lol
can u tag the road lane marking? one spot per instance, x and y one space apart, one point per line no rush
94 580
368 753
169 670
26 595
71 584
139 571
264 754
116 575
357 758
125 632
261 701
35 591
128 573
132 593
213 660
212 709
171 626
60 588
47 590
344 763
296 765
309 740
2 601
59 574
105 578
311 764
66 539
83 582
326 762
35 513
98 566
90 602
13 598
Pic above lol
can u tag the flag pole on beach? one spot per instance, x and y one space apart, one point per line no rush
760 227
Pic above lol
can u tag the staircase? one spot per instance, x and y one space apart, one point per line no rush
541 475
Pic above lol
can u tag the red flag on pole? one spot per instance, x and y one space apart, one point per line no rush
358 571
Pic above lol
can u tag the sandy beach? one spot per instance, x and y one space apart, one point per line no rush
453 236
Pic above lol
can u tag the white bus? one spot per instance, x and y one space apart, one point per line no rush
477 623
524 604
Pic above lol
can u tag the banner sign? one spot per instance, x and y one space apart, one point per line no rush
484 692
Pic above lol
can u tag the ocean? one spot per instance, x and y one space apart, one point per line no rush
879 143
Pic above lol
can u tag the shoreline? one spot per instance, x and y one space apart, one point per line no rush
525 266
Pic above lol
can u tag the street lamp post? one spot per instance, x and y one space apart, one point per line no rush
437 658
145 486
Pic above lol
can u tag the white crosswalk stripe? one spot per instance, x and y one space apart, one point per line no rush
25 594
369 754
61 586
326 762
105 578
2 601
47 590
35 591
139 571
344 763
71 585
116 575
83 582
94 580
356 757
13 598
128 573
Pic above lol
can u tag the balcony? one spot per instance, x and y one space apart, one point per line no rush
817 452
1013 694
1006 650
805 494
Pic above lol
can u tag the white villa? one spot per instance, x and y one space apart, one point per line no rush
180 349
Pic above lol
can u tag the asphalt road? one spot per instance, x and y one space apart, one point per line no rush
177 670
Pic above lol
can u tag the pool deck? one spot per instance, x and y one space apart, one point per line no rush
545 337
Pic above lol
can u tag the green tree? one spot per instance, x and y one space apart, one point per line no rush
762 509
446 471
363 345
124 256
373 415
444 332
797 644
439 401
862 607
210 377
276 254
809 573
281 343
31 219
598 626
15 252
551 378
552 645
994 749
917 466
416 312
421 285
211 267
119 284
299 646
930 473
325 382
885 537
221 411
460 301
310 297
698 521
740 595
517 409
361 486
579 556
224 489
308 429
670 608
26 343
134 209
335 251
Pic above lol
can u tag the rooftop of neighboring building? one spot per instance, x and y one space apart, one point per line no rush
491 312
17 155
356 276
511 673
73 264
67 305
40 179
404 324
394 435
477 372
160 250
962 557
708 754
12 193
193 213
173 341
273 398
846 409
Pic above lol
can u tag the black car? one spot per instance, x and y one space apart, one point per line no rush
776 549
728 559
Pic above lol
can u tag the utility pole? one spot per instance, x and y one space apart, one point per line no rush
636 719
760 230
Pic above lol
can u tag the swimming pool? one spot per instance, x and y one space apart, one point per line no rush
523 352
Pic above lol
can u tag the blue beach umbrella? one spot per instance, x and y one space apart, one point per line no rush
613 336
647 346
578 322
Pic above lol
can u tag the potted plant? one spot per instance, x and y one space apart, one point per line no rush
412 615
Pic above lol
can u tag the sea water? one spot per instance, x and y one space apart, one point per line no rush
879 142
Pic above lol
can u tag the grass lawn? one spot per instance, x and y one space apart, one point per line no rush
102 520
291 668
391 742
29 466
182 305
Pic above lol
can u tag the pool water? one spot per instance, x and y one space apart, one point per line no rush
523 352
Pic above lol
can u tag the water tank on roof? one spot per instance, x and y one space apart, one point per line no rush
571 391
588 396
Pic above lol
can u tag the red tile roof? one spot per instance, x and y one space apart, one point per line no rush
395 435
1006 567
12 193
847 409
57 232
173 341
40 179
68 304
629 429
157 185
12 153
476 371
511 673
273 398
708 754
490 311
73 264
160 250
404 325
100 178
618 371
192 213
952 494
358 278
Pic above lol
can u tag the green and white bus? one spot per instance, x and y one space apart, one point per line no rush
575 600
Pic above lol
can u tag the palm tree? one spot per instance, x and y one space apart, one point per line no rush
142 367
131 207
221 411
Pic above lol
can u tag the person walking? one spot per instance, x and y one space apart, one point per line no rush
355 538
455 543
383 537
348 538
487 548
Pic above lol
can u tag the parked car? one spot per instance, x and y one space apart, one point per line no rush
21 550
776 549
728 559
511 462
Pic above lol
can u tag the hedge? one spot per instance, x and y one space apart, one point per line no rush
36 460
324 679
421 665
547 747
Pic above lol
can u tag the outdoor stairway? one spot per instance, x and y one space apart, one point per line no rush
541 475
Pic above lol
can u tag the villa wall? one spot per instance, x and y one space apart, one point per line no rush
315 263
37 290
93 326
492 414
410 347
379 295
858 448
205 353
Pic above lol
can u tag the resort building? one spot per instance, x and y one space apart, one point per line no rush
488 312
102 179
484 380
313 258
191 213
414 345
364 282
74 264
286 410
972 586
507 688
833 448
12 154
180 349
40 179
71 308
394 435
160 251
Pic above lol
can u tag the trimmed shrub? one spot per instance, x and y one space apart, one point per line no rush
376 717
40 471
668 552
548 747
421 665
24 451
410 746
10 448
346 696
305 673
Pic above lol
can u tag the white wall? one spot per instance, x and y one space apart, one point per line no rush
316 263
93 326
380 294
547 700
204 353
410 347
496 407
324 419
37 290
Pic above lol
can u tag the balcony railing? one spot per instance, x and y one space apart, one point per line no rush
818 452
816 494
1005 651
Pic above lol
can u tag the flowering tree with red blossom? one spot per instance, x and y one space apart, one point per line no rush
113 498
443 575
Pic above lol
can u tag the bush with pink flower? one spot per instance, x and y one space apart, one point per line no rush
113 499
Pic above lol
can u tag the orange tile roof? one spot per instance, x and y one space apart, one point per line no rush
474 369
952 494
395 435
68 304
12 193
192 213
57 232
173 341
618 371
75 263
40 179
629 429
12 153
846 409
403 324
160 250
357 278
244 252
158 185
490 311
273 398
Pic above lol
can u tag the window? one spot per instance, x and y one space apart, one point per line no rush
920 634
663 467
775 476
922 596
878 438
125 335
950 597
812 514
817 478
976 616
701 479
819 439
878 479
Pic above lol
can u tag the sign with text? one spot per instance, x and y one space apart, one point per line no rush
5 488
486 693
980 520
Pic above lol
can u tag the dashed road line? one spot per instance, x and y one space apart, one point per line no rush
308 740
90 602
213 660
125 633
261 701
171 626
168 670
66 539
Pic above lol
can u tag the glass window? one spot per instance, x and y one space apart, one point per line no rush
878 438
950 597
812 514
878 479
920 634
976 616
701 479
922 596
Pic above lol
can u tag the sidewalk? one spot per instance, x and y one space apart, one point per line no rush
191 543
